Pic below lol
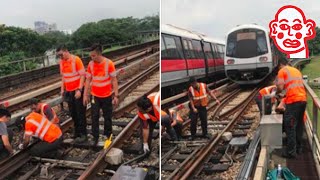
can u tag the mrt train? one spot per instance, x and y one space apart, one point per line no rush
250 55
186 54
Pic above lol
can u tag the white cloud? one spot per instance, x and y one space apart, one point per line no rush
70 14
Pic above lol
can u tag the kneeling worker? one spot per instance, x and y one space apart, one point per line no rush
172 122
39 126
149 114
45 110
5 134
269 90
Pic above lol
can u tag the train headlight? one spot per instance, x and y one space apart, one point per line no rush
230 61
263 59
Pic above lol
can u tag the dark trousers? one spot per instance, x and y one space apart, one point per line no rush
166 122
151 125
293 125
45 149
78 113
3 151
258 100
178 129
106 105
202 113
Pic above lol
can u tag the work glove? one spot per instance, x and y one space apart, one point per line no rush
20 146
146 147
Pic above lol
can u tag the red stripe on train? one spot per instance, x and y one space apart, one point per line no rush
168 65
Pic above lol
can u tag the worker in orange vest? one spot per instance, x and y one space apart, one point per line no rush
166 122
177 123
44 109
269 90
281 107
149 115
39 126
102 79
198 96
5 134
290 80
172 122
73 74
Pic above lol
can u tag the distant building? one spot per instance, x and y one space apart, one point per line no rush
53 27
42 27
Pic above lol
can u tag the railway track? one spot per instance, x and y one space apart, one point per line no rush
214 158
52 90
120 60
78 157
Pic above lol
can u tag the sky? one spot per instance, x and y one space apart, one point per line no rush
71 14
216 17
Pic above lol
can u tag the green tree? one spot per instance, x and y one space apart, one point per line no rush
314 44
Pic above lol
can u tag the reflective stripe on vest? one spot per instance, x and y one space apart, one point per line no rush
42 127
294 87
155 99
267 90
55 117
202 86
73 75
96 80
298 80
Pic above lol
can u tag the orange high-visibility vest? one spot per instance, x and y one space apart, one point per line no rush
68 70
101 81
155 99
199 97
267 91
293 84
40 127
55 117
177 115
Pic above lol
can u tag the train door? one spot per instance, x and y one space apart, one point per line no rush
216 57
173 63
220 61
198 62
189 55
210 62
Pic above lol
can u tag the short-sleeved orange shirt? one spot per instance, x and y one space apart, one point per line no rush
292 80
99 71
71 70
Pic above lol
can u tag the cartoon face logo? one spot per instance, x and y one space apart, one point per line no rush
290 31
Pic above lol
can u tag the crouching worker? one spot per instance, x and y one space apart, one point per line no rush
269 90
5 134
49 134
44 109
172 122
149 114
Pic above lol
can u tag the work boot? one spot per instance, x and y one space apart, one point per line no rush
81 139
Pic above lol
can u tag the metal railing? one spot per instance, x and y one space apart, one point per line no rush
33 63
311 126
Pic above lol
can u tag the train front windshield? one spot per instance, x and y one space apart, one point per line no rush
246 43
